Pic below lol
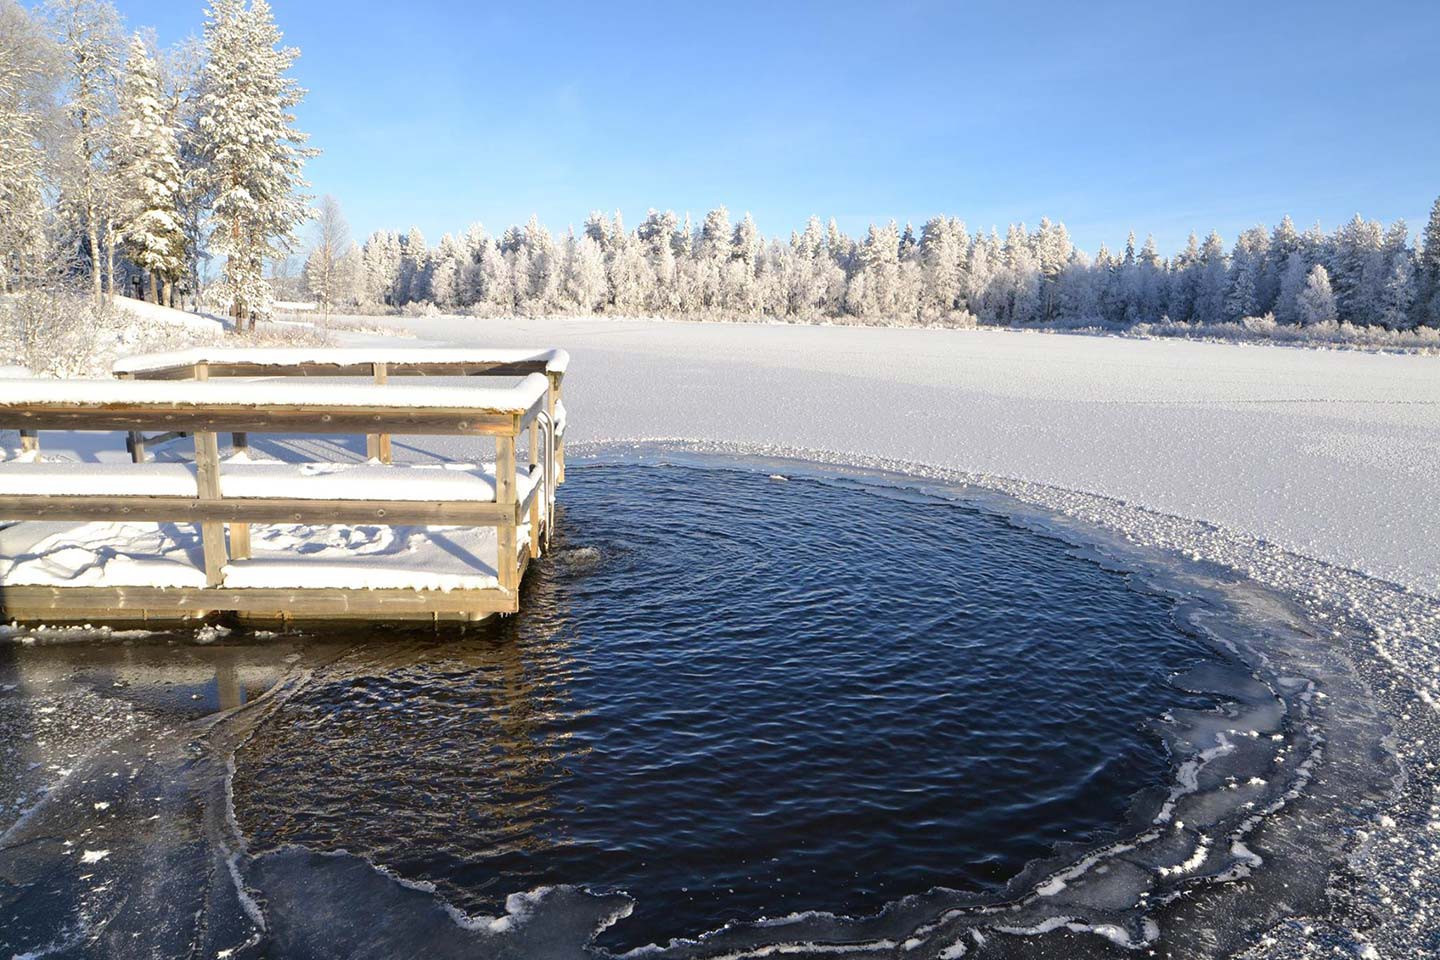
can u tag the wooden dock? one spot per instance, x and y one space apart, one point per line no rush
207 396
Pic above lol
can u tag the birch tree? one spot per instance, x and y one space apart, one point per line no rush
323 266
29 77
89 35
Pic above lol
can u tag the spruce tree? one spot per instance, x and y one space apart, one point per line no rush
147 174
254 153
1430 268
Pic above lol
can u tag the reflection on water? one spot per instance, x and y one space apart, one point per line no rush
732 697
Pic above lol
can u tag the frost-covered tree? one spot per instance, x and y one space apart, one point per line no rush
1247 265
323 276
29 78
943 244
585 283
628 271
1429 270
252 150
1316 301
89 35
447 272
1213 281
147 176
380 270
1292 282
415 265
542 282
1397 297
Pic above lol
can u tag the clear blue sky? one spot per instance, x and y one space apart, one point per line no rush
1162 117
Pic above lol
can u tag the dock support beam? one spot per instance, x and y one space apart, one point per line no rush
507 565
212 534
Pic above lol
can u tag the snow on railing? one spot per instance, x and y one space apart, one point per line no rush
377 363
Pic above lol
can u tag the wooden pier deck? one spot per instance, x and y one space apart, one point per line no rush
465 532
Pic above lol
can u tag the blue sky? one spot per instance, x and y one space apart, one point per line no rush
1161 117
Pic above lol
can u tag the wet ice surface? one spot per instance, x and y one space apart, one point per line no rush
720 761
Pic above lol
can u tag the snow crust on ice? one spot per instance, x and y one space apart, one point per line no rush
278 392
555 360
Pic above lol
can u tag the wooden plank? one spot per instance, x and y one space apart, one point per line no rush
377 445
476 513
535 460
505 564
296 603
311 418
240 541
207 476
427 368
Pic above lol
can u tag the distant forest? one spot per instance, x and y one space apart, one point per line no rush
1363 274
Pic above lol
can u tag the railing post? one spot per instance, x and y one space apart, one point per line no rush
29 441
377 445
537 498
207 477
135 440
552 399
507 567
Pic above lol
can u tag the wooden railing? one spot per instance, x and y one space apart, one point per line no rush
32 490
378 364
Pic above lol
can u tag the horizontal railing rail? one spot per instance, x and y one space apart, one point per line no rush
378 364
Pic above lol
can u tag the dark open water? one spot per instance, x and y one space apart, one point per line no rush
733 697
728 696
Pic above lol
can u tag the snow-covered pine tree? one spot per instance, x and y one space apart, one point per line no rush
629 272
1292 282
414 268
380 266
1283 242
1151 293
942 255
1397 297
1247 263
1052 249
1213 281
496 279
146 174
1429 269
585 284
1316 300
543 281
254 154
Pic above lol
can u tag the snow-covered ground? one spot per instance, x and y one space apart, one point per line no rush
1330 454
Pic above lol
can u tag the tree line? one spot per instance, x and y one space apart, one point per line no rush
127 167
1363 273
